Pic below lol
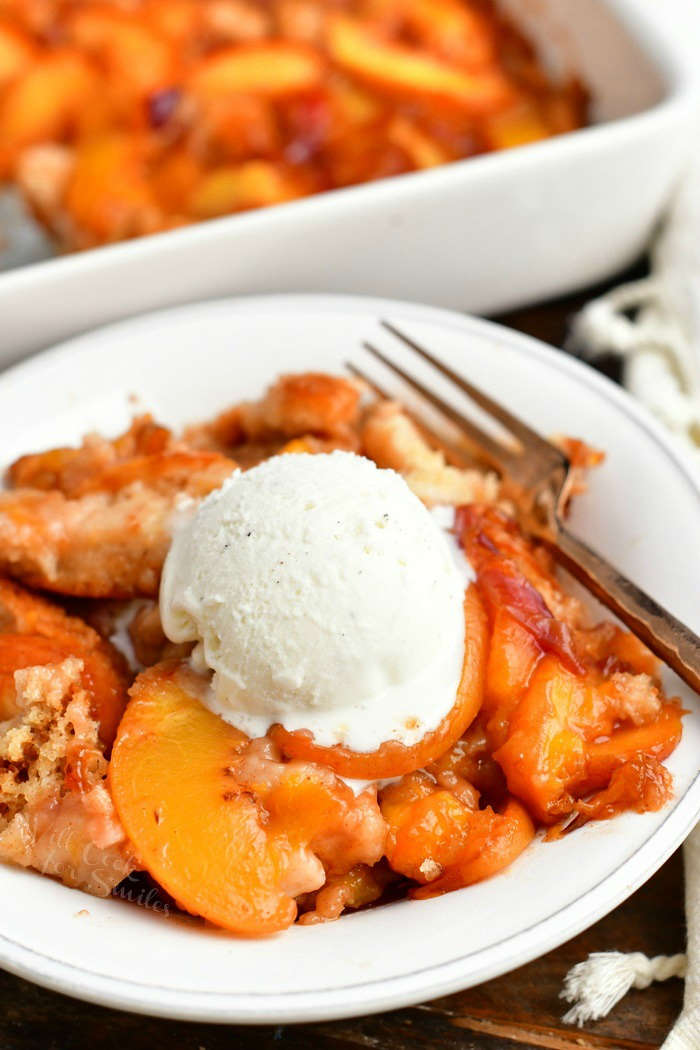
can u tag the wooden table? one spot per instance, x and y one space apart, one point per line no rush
519 1010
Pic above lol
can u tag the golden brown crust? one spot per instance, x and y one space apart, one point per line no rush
67 469
322 408
56 814
96 521
97 546
392 440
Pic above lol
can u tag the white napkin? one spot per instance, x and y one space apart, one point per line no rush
654 325
661 343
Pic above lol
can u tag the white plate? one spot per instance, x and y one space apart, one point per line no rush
642 511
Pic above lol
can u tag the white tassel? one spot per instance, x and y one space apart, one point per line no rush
597 985
661 369
601 327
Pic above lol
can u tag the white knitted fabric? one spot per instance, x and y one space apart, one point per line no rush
655 326
660 342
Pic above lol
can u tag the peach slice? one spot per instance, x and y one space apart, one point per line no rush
428 827
238 187
174 178
395 67
18 651
422 150
134 55
50 99
443 843
543 755
499 840
272 68
179 21
35 632
393 759
656 740
16 52
564 739
513 656
194 829
234 128
517 126
454 30
108 196
230 831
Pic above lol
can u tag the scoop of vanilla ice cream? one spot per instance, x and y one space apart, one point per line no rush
324 596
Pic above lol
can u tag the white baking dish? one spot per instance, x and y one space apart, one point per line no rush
483 234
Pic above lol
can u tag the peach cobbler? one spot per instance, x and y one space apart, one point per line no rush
297 659
120 118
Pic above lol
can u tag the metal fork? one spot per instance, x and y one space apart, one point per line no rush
540 472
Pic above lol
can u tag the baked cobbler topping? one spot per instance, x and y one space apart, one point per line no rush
364 679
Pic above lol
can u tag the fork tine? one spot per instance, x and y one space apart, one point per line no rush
459 455
520 430
494 451
371 383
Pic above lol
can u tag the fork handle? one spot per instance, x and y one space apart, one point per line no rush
666 636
